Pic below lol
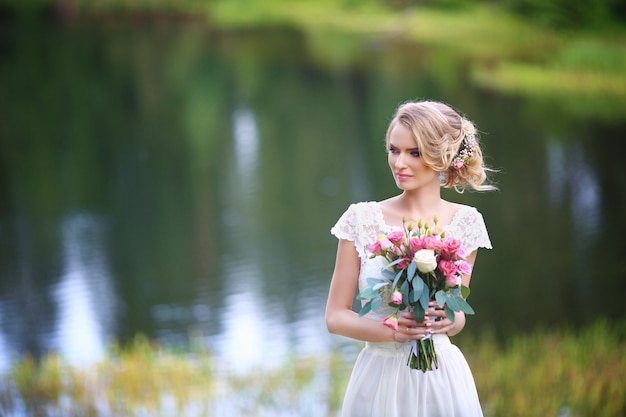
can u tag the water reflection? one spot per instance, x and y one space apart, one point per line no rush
254 333
246 320
5 356
222 223
246 142
85 300
571 175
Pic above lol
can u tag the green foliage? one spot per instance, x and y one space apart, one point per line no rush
566 13
580 372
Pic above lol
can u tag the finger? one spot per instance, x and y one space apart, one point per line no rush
444 326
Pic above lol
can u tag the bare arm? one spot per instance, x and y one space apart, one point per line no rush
445 325
340 319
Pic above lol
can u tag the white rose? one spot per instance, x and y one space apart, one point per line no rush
425 260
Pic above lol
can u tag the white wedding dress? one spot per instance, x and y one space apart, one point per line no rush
382 384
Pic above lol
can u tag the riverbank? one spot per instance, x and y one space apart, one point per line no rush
495 49
574 373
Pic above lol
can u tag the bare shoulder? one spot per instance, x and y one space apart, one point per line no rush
450 211
389 203
391 210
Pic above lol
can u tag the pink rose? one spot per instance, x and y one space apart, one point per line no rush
416 244
396 297
396 237
403 264
448 268
376 248
385 243
451 246
464 268
462 253
453 280
391 321
432 242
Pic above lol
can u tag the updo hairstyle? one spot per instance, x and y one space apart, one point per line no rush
442 137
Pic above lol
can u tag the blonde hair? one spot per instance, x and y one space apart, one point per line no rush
440 133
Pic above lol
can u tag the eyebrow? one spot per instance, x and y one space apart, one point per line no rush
409 149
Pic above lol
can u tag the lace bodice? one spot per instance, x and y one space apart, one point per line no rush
361 223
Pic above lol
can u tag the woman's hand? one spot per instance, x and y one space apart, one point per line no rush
435 322
409 329
441 324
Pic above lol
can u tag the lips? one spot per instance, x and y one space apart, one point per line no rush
403 177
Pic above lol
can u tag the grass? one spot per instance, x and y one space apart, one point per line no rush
545 373
553 373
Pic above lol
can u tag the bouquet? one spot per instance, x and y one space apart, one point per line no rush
421 264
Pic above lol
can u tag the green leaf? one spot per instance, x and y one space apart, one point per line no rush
441 298
387 273
465 291
396 262
418 288
411 271
418 313
452 303
367 294
404 289
449 313
465 307
424 299
376 303
377 283
365 309
456 291
396 279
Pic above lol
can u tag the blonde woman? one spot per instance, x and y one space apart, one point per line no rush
429 146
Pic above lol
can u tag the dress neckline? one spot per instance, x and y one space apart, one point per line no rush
455 217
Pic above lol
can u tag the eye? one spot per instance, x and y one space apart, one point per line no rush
416 153
392 149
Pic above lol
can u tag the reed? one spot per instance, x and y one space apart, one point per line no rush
552 372
542 373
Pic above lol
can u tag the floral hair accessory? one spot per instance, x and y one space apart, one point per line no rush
466 152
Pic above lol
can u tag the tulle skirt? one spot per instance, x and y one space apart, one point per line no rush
383 385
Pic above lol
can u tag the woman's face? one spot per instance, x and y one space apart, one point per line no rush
405 161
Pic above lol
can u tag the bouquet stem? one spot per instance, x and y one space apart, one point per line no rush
423 355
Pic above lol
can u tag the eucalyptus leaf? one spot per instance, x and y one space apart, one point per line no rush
411 271
367 294
449 313
452 303
376 303
418 313
397 261
380 285
387 273
396 279
424 298
441 298
365 309
376 281
418 288
465 307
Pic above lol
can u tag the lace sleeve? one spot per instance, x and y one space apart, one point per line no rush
360 223
470 229
346 226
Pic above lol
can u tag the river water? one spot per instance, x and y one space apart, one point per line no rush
172 181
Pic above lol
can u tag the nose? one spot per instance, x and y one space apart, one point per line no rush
399 162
